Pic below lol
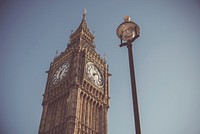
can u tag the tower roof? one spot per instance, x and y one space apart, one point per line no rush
83 29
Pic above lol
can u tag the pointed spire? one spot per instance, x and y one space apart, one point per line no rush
82 30
84 13
83 25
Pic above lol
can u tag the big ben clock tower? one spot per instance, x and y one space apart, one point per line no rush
76 98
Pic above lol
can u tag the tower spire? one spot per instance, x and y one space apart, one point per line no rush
82 33
84 13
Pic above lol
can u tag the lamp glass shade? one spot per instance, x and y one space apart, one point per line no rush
127 30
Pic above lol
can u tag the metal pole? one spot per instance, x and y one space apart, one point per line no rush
133 85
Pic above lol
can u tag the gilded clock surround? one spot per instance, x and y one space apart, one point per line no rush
75 104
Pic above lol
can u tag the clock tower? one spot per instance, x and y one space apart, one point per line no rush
76 97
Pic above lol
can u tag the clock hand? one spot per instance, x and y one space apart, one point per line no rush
94 74
60 73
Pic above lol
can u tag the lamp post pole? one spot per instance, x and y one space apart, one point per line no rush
129 36
134 92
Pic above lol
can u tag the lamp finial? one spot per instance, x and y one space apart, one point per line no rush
127 18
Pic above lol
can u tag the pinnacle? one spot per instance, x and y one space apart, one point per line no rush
83 26
84 13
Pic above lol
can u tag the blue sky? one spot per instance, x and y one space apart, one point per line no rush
166 58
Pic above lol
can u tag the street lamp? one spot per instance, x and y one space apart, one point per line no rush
128 31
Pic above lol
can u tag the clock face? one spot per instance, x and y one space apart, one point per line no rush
60 72
94 74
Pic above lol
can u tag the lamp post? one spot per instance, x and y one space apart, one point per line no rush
128 31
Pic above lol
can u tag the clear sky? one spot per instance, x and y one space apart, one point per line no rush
166 58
